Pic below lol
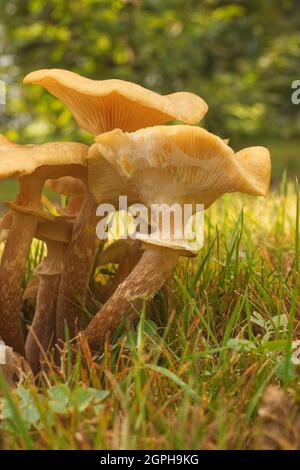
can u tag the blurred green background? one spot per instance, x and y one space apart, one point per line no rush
240 56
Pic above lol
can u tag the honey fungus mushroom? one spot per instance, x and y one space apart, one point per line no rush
101 106
75 191
41 337
31 165
165 165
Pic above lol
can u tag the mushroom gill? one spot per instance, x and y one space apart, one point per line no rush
102 105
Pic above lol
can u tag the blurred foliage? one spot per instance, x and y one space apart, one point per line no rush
240 56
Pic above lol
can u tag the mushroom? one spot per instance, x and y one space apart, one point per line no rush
56 234
165 165
101 106
32 165
75 191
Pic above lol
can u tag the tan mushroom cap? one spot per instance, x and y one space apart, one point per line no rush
102 105
38 213
74 189
182 247
19 160
49 227
67 185
174 164
59 230
56 234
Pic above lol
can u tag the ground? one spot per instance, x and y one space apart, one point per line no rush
211 363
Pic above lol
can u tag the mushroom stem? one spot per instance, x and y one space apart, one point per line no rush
77 271
42 331
13 264
142 283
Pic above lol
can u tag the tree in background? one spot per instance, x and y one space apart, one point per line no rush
241 56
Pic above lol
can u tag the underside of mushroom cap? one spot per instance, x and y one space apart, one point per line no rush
49 267
174 164
58 230
102 105
39 214
57 234
19 160
181 247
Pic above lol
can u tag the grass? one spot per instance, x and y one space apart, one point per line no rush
196 372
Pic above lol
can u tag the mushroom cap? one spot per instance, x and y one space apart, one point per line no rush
173 164
53 228
19 160
56 234
39 214
182 247
102 105
67 185
58 230
49 267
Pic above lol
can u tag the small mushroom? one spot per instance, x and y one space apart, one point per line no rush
56 234
32 165
165 165
75 191
100 106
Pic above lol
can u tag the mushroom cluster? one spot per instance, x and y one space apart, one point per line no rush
134 155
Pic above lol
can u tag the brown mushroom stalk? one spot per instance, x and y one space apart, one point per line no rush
142 284
80 256
13 264
101 106
32 165
42 333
